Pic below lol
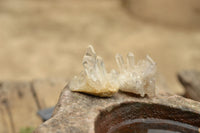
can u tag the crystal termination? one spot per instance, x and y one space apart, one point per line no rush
133 78
94 79
137 78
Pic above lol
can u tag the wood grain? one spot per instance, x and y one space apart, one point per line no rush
47 91
19 107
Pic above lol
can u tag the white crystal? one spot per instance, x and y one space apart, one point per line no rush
137 78
94 79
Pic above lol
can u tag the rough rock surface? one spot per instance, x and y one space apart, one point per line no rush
190 79
77 112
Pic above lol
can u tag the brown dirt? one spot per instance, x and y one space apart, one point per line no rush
42 38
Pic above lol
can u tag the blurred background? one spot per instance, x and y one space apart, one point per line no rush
41 39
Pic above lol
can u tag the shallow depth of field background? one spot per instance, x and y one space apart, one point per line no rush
42 39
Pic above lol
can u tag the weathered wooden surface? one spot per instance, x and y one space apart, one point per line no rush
77 112
5 119
190 79
20 101
20 105
48 91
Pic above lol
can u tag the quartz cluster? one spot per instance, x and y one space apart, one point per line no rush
137 78
95 79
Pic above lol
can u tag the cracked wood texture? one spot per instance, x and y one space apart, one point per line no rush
20 101
48 91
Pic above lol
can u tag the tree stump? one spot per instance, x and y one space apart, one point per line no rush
82 113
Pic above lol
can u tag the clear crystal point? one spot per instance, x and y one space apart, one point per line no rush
101 68
120 62
151 69
150 59
89 61
90 51
130 61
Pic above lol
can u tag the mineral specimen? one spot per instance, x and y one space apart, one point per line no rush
134 78
94 79
137 78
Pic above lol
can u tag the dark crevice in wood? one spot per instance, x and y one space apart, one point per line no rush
190 90
6 104
35 96
3 120
1 84
184 84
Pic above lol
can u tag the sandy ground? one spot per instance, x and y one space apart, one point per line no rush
41 38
